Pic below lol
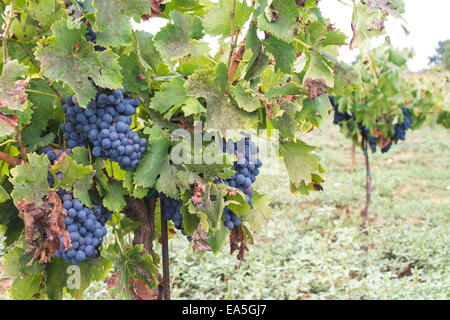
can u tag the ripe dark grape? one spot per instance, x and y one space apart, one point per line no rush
247 169
105 125
338 116
172 209
86 228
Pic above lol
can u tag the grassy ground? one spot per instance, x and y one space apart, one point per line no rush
314 248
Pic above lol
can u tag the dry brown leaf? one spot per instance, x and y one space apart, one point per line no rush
43 226
315 87
238 241
199 240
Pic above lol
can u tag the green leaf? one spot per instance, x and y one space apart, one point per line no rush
260 212
283 52
30 179
62 60
114 200
217 21
12 94
176 40
154 159
192 106
315 107
220 114
172 93
113 20
347 80
218 240
81 189
36 134
366 23
283 26
130 71
300 163
91 270
72 172
4 196
245 100
147 53
319 68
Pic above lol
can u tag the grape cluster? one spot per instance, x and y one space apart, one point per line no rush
247 169
105 124
399 129
74 11
172 209
338 116
86 228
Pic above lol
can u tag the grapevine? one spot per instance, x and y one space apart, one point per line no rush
93 113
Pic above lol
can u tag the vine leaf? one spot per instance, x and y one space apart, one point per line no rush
30 179
43 226
114 200
300 163
72 172
200 240
283 52
12 91
131 264
347 79
217 21
44 110
113 20
245 100
154 158
172 93
367 22
148 56
282 26
175 40
8 124
238 241
68 57
220 114
320 70
260 212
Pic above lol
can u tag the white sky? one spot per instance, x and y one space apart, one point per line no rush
427 21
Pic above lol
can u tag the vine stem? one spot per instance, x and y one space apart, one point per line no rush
23 150
5 33
232 39
352 168
165 254
8 159
365 210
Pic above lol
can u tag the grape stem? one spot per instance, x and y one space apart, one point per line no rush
233 39
42 93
